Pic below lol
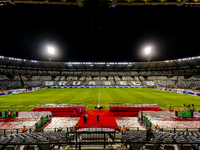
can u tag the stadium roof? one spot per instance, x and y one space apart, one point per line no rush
10 62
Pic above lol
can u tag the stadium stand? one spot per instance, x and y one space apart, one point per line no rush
3 78
11 84
92 83
123 83
31 84
76 83
108 83
49 83
62 78
63 83
136 83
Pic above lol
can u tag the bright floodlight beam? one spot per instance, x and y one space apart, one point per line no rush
147 50
148 53
50 53
51 50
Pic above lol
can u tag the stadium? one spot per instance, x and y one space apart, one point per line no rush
99 74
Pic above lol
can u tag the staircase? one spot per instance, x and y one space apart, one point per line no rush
99 82
176 82
142 82
68 83
22 83
58 81
84 83
198 85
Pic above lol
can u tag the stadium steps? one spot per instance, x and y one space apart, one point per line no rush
99 82
58 81
130 83
68 83
198 85
84 82
106 79
22 83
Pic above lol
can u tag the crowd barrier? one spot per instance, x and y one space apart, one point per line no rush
131 108
183 91
19 91
97 87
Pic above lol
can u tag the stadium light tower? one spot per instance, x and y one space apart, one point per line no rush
148 53
50 53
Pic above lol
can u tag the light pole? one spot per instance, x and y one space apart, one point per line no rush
148 53
50 53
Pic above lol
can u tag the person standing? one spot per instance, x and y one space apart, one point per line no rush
9 114
157 128
149 135
97 118
85 119
6 112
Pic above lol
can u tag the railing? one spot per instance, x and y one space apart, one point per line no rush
134 105
78 145
60 105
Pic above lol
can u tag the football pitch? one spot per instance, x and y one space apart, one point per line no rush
94 96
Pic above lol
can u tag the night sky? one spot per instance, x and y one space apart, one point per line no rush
27 30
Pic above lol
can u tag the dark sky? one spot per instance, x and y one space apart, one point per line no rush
27 30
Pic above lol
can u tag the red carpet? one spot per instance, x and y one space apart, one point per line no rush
106 119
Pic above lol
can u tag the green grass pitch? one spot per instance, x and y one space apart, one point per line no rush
92 96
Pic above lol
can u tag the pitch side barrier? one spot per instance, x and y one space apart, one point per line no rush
59 110
182 91
19 91
128 107
97 87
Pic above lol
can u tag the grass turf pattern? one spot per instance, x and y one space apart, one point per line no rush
92 96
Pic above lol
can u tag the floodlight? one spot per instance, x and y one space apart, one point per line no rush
51 50
147 50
